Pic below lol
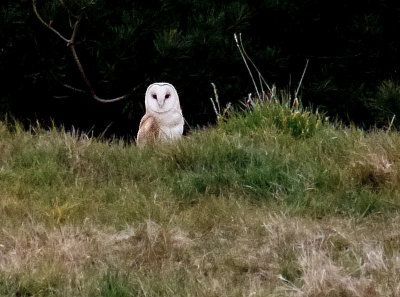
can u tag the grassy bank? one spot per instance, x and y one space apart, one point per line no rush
270 202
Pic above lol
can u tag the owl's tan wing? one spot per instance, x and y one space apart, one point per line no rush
149 130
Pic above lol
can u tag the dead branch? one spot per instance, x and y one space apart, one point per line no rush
217 108
245 57
261 78
47 25
245 63
301 80
71 44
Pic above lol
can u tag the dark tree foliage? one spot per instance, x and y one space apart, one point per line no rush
352 46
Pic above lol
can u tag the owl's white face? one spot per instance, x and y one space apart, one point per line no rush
161 97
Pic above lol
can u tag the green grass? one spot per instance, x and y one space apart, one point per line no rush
260 205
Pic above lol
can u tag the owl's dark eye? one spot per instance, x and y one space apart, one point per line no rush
167 96
154 96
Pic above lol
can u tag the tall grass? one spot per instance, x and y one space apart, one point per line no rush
260 205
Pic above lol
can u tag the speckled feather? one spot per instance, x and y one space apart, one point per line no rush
149 130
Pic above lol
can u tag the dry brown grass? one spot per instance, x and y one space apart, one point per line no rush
375 162
245 255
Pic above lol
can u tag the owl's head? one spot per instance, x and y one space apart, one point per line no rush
161 97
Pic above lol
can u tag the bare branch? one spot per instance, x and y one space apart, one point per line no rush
217 106
217 111
110 100
391 123
96 98
72 40
216 96
83 74
71 44
301 80
245 62
47 25
74 89
252 63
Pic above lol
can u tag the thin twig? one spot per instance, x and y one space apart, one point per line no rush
72 40
47 25
74 89
291 286
71 45
272 94
262 89
245 62
216 96
301 80
110 100
61 97
82 71
252 63
391 123
217 111
217 106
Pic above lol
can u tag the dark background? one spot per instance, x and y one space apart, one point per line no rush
352 47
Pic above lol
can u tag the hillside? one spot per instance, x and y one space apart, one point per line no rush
271 202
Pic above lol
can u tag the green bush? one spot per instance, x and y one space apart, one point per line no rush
298 122
385 105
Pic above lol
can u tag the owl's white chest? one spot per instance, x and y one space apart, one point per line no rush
171 124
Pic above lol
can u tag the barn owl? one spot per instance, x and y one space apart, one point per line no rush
163 119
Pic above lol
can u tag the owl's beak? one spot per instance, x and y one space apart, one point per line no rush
160 102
